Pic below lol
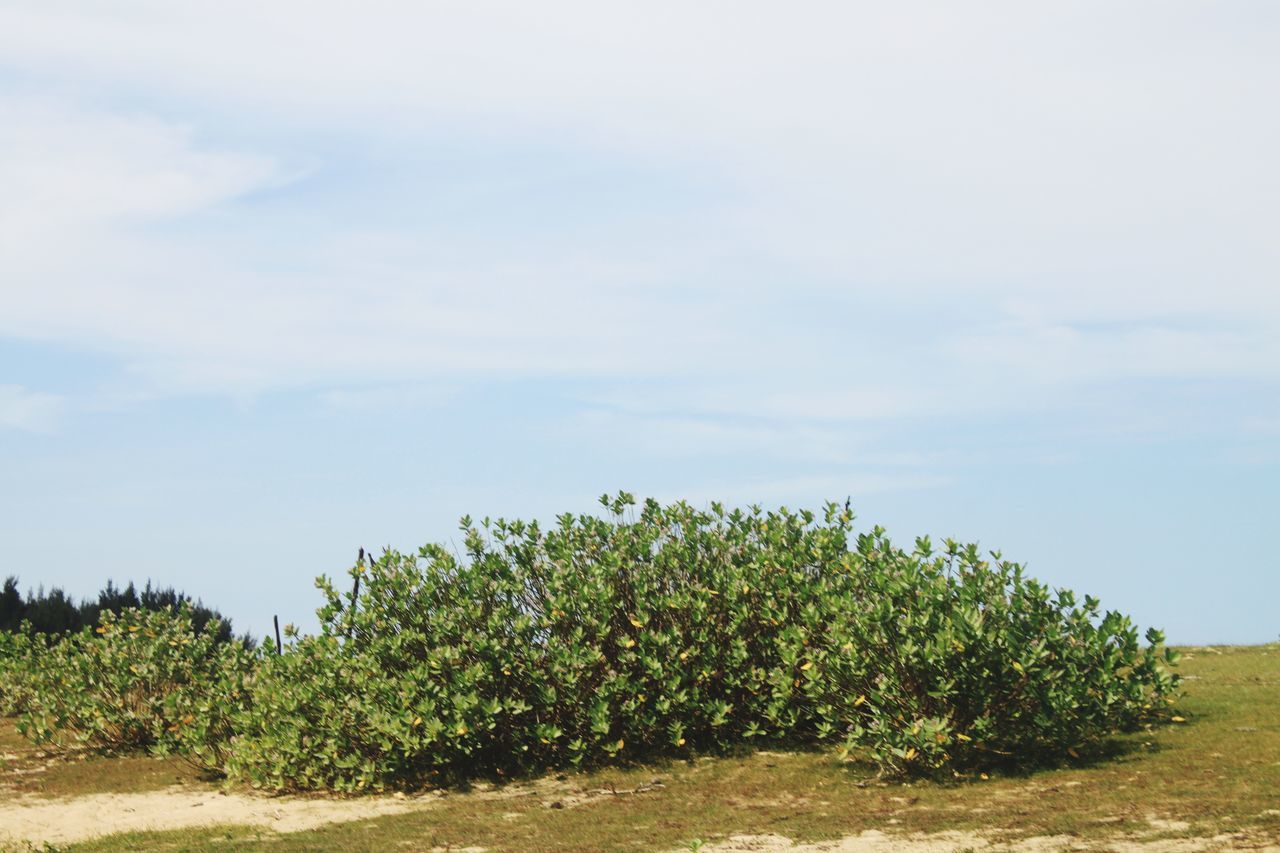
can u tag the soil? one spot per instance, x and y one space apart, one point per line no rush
60 821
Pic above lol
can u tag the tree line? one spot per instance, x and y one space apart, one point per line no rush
55 612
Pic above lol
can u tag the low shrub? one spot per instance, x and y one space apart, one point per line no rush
140 679
669 629
20 652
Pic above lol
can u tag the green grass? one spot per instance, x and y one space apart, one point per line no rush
1219 772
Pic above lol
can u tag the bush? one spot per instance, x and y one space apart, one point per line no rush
677 630
142 679
19 656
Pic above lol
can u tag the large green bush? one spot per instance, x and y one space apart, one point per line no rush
669 629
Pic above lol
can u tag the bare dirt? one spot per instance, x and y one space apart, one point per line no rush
60 821
37 820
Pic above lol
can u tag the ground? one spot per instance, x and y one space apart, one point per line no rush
1209 783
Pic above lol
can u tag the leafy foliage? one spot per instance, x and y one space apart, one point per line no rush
20 656
654 629
139 679
674 629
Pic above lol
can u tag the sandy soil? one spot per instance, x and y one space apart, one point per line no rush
59 821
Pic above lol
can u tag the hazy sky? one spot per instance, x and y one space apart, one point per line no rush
278 280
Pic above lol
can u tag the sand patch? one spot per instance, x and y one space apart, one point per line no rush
60 821
871 839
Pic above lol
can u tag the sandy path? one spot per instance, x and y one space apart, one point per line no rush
38 819
60 821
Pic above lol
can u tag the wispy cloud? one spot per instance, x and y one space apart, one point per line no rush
22 408
963 214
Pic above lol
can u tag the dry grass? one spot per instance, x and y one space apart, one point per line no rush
27 770
1216 774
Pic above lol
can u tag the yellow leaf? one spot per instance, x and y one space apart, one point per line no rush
621 743
1017 666
133 628
629 643
712 592
462 729
963 737
983 776
1178 719
636 623
910 754
807 666
417 721
847 647
859 700
746 588
680 742
684 656
101 630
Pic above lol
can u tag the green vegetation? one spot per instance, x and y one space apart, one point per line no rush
145 679
656 631
1213 776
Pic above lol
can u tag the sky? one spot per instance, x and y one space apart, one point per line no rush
282 280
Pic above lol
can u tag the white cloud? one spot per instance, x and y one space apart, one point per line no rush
63 168
1075 193
21 408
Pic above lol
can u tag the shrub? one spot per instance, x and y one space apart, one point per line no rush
142 679
676 629
19 654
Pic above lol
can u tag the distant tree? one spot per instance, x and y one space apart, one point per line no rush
55 612
11 605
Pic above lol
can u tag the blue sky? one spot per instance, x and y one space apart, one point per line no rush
281 280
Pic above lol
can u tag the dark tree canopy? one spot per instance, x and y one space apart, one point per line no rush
54 612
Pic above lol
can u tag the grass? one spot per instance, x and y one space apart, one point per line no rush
35 771
1219 772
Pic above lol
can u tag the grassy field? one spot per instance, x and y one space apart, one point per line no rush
1214 776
